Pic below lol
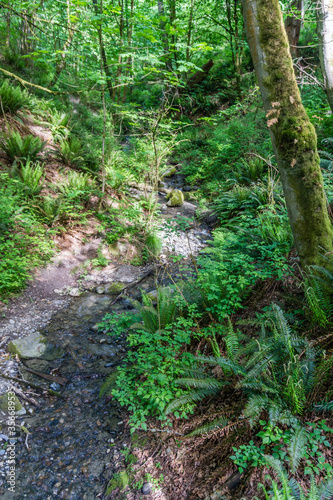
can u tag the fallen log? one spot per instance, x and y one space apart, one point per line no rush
200 75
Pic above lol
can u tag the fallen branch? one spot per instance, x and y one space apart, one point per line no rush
31 384
52 378
25 397
132 285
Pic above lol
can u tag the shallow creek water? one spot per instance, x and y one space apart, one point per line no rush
76 438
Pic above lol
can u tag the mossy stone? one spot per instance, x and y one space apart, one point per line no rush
114 288
4 403
170 172
32 346
175 199
119 480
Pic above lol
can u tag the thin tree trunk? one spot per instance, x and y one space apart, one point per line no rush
129 38
293 136
71 30
325 35
8 30
189 31
293 26
121 37
164 35
102 51
172 23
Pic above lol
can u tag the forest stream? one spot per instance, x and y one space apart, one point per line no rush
74 440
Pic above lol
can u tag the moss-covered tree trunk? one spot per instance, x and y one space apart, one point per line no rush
325 35
293 136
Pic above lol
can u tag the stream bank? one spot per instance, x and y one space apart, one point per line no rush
76 440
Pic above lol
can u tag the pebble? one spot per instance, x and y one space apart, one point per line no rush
54 386
2 452
146 488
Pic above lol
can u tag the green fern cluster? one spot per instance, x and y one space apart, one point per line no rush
17 147
58 123
76 185
51 209
70 152
12 99
250 171
157 318
318 289
275 370
30 175
290 489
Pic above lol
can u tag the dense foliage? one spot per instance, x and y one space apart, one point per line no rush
98 97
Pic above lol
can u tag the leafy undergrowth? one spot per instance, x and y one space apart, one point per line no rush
52 182
223 380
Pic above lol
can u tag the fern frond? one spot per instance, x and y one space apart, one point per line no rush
280 471
297 445
255 405
190 397
325 490
212 426
325 406
108 384
223 363
207 383
231 340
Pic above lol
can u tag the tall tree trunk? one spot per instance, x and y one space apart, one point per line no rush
325 35
99 11
293 136
71 30
293 26
164 35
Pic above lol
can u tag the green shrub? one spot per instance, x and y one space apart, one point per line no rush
145 383
12 98
238 258
23 243
17 147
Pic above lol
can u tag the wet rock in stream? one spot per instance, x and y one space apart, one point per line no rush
69 455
